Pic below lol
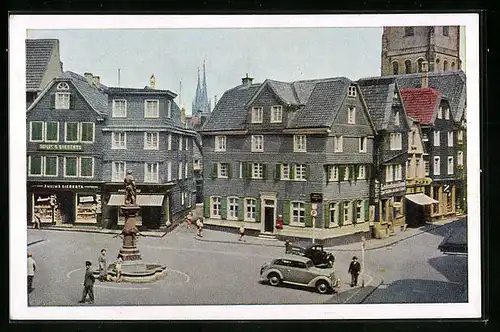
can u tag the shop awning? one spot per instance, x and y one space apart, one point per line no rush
421 199
142 200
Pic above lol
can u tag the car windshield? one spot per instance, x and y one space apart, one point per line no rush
309 264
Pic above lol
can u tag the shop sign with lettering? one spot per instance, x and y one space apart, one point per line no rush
419 182
65 186
60 147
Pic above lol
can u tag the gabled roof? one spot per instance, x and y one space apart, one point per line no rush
421 103
38 54
378 94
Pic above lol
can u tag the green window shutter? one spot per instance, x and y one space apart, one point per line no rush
351 172
214 171
206 207
53 101
249 170
264 171
327 172
286 212
241 209
293 171
367 210
354 211
341 213
277 173
223 204
229 170
257 210
326 214
307 215
341 173
356 172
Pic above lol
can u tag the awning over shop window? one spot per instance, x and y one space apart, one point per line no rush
142 200
421 199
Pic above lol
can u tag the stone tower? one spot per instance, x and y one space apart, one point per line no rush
404 49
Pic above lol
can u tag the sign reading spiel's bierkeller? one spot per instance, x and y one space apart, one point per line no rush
60 147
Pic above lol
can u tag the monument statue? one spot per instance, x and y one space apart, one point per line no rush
130 190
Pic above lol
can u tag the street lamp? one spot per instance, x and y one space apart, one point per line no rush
363 240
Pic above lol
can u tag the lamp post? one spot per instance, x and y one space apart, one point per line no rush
314 213
363 261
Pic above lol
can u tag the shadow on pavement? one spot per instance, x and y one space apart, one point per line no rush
453 268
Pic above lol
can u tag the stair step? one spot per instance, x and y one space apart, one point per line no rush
268 237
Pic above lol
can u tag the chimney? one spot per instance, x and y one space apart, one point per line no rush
96 80
425 75
89 77
247 81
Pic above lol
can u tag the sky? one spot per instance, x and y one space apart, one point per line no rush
173 55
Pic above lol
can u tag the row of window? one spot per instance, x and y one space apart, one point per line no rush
72 166
151 141
151 171
151 108
408 66
437 167
74 132
437 138
410 32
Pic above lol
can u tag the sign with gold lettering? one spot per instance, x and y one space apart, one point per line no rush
60 147
418 182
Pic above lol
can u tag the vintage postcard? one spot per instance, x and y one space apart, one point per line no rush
244 167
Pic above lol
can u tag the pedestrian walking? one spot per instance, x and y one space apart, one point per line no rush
103 267
242 232
279 223
199 224
189 218
288 247
118 268
88 284
354 269
31 272
36 220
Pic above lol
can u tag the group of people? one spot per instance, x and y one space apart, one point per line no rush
199 224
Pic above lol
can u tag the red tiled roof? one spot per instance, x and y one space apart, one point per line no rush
420 103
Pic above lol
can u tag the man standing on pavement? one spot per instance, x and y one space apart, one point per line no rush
88 284
242 232
103 266
31 272
199 224
354 269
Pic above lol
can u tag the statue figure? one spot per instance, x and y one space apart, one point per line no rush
130 190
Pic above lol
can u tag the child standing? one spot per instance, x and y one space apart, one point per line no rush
242 232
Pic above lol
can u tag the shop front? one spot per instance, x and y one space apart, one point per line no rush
391 209
444 193
418 203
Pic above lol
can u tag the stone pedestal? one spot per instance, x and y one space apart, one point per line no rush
129 250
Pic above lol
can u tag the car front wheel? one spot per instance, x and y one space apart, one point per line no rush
322 287
274 279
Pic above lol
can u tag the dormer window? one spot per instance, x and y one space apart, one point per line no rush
276 114
119 108
62 101
352 91
151 108
351 115
257 114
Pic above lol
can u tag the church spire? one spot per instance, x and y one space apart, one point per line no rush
200 102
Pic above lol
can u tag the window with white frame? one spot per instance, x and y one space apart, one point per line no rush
169 142
183 198
447 113
257 171
397 172
223 170
276 114
257 143
197 164
87 167
232 208
36 131
180 143
359 211
347 213
220 143
426 168
333 214
352 91
388 173
186 170
119 108
338 143
216 206
150 172
186 143
169 108
151 140
362 144
299 143
396 141
351 114
250 209
71 131
362 172
437 138
440 112
151 108
450 165
460 136
285 171
118 140
71 167
257 114
118 171
396 119
460 158
346 173
87 132
179 171
300 172
50 164
437 166
51 131
450 138
62 100
169 171
334 173
298 213
35 165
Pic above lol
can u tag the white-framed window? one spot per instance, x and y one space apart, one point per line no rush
396 119
186 143
257 171
300 172
299 143
151 108
450 138
352 91
447 113
35 165
179 171
437 166
338 143
169 171
257 143
183 198
151 140
151 172
351 114
250 209
347 213
50 165
426 168
118 140
232 208
87 132
437 138
460 136
276 114
36 131
215 207
71 132
388 173
440 112
346 173
223 170
186 170
257 113
333 173
241 170
71 167
62 86
362 172
285 171
362 144
220 143
180 143
396 141
334 219
169 142
298 213
86 168
397 172
450 165
359 211
118 170
460 158
119 108
169 108
62 100
51 131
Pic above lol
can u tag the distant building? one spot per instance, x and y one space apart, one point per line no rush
201 103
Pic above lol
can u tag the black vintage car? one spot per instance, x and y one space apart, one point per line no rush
315 252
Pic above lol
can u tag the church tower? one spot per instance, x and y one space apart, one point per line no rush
404 49
201 103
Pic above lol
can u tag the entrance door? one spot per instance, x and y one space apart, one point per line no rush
66 202
269 219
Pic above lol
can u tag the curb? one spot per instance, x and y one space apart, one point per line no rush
107 232
35 242
238 242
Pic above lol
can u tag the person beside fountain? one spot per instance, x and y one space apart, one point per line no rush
103 267
118 268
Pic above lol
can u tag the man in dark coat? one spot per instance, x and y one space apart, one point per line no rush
88 284
354 269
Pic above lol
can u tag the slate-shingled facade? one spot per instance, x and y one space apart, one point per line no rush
268 146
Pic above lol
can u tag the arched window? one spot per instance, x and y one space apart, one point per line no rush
445 65
436 68
408 67
395 68
63 86
453 66
419 64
